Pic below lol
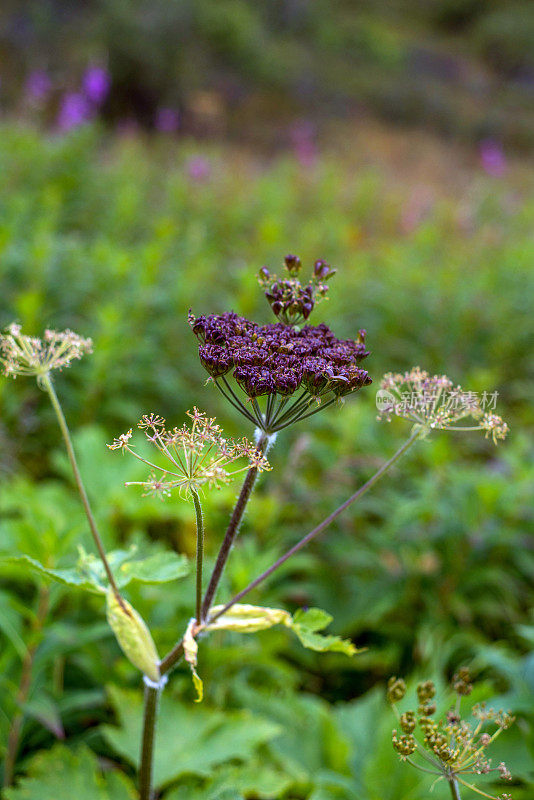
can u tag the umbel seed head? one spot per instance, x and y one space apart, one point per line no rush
28 355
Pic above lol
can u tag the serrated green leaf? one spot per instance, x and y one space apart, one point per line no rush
89 575
314 619
158 568
61 774
67 577
190 740
307 624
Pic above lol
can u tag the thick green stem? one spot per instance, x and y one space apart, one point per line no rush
147 742
455 789
322 525
46 383
200 553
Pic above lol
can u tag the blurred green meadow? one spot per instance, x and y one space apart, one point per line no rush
117 237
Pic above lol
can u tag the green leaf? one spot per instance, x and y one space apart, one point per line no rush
160 567
307 624
74 577
190 740
63 774
234 782
89 574
44 709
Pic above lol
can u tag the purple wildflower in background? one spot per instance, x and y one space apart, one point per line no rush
96 84
198 169
167 120
492 158
74 110
302 135
38 85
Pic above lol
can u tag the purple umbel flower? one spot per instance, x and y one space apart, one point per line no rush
167 120
73 111
38 85
198 169
96 84
276 361
492 158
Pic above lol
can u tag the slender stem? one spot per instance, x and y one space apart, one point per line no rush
231 531
49 388
455 789
200 552
147 742
25 686
322 525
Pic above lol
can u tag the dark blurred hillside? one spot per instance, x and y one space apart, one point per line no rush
237 67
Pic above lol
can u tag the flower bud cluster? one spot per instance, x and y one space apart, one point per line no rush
454 746
290 301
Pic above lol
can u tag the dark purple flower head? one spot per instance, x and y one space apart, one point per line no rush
96 84
74 110
290 301
277 360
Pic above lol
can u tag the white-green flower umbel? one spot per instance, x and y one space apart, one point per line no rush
192 456
434 402
28 355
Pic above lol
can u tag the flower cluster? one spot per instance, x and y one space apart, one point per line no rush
432 401
453 746
290 301
276 360
27 355
196 455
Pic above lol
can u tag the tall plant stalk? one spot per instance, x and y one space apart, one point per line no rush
232 530
151 700
48 386
455 789
200 553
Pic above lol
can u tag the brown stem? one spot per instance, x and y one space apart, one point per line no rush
231 531
25 686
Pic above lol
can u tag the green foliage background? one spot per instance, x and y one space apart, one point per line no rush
431 570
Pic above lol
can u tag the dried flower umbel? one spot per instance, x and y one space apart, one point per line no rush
28 355
194 456
451 748
433 402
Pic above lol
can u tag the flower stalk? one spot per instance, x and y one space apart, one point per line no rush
47 385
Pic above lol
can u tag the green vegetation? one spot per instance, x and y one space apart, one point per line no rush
116 240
